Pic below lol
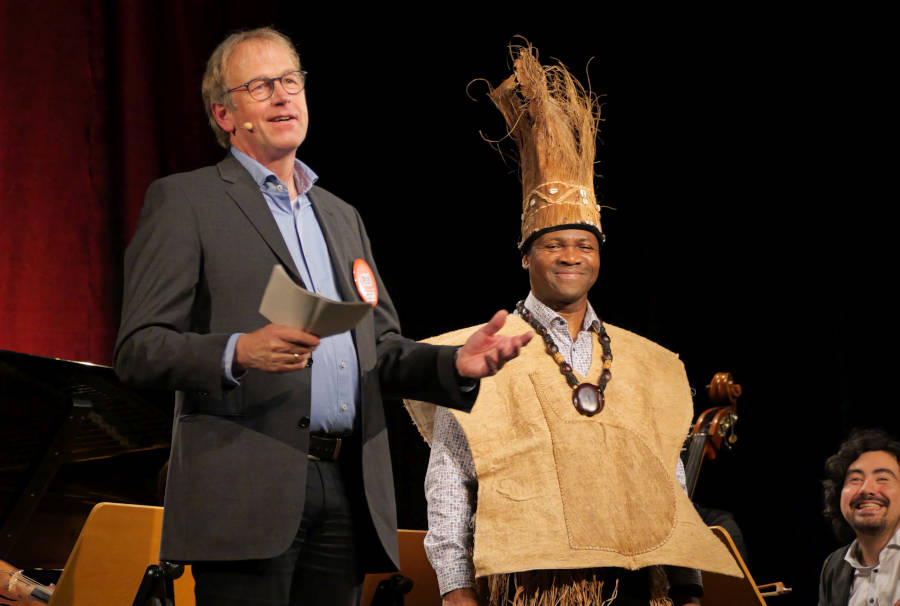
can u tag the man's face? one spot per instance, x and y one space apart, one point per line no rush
870 499
279 123
562 266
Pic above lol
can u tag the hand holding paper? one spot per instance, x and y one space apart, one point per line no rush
299 319
284 302
274 348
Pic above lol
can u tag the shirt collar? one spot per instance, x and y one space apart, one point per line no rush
304 177
545 316
851 558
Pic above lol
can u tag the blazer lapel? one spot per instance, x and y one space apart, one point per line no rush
245 193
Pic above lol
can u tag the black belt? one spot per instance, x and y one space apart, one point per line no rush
323 447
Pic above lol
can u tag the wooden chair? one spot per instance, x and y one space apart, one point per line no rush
118 542
115 546
722 590
413 564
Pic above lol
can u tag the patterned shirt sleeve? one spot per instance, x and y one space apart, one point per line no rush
450 488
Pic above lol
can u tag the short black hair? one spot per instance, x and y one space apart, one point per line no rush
859 442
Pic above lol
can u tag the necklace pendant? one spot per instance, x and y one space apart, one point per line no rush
588 399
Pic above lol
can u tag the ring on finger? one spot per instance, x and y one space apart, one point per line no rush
296 357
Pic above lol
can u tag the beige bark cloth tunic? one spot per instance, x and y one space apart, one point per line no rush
560 490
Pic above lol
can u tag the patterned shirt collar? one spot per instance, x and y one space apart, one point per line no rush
578 352
549 318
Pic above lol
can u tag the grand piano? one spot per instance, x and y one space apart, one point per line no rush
71 436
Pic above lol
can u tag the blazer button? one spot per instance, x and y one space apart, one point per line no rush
303 423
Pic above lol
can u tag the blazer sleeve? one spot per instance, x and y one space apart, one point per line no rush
406 368
160 343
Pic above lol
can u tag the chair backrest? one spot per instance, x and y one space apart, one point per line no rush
723 590
413 564
115 546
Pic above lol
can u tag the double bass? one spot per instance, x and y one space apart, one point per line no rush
714 430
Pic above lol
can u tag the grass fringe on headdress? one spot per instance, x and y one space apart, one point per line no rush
552 119
554 122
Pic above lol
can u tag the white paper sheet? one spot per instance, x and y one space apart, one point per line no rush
284 302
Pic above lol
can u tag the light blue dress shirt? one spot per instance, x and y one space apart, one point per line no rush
335 373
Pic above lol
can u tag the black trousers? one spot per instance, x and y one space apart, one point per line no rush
319 569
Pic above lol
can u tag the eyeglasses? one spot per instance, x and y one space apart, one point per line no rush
261 89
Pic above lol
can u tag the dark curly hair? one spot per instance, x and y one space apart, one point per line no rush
860 441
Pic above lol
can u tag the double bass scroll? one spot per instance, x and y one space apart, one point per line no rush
714 428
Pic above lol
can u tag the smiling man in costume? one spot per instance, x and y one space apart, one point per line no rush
862 501
279 485
564 485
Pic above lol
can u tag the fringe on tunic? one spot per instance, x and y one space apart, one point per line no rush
588 587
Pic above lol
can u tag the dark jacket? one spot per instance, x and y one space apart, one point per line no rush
836 579
195 272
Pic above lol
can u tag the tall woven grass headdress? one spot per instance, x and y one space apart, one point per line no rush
554 122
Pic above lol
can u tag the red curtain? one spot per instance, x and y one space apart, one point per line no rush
57 276
97 100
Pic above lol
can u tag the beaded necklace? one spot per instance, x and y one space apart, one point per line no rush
587 398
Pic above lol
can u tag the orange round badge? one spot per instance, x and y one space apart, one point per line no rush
365 282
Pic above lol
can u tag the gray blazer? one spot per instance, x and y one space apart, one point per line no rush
195 271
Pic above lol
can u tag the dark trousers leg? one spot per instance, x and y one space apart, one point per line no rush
327 570
319 569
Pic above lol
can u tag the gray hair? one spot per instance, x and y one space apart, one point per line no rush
214 88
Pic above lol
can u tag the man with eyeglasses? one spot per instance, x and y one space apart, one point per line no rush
279 486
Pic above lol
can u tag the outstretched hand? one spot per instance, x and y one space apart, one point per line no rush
485 352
